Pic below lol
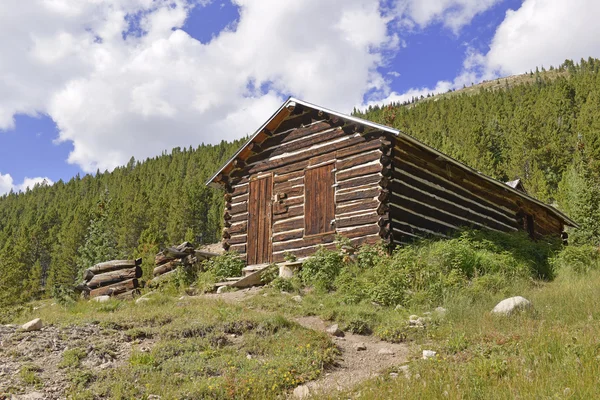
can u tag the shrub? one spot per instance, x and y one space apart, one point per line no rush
577 259
321 270
226 265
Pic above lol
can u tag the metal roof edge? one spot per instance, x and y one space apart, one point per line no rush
407 137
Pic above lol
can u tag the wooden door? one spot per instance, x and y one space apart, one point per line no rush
259 221
319 200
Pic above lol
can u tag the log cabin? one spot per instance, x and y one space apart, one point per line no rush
309 174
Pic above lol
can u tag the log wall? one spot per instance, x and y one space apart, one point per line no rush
357 161
429 196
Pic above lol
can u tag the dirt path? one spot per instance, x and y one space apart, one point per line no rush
354 365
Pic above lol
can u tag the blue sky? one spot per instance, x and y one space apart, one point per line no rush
87 89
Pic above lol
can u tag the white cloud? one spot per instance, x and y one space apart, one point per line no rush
545 32
7 184
539 33
119 77
453 14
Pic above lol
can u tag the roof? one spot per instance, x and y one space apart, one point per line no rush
291 102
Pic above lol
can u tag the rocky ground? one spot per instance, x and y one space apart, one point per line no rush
41 364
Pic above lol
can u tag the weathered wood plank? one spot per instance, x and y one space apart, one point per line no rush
360 181
114 289
359 171
363 194
360 159
364 219
114 276
288 235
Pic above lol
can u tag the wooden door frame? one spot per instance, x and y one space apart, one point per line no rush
334 186
255 178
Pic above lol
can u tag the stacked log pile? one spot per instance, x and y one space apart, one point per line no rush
168 260
117 278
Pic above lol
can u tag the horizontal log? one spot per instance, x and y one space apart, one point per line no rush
170 266
238 218
225 234
115 289
269 165
240 198
487 219
383 209
279 139
291 212
384 195
288 235
239 208
423 222
227 197
288 225
361 205
304 242
281 178
108 278
430 181
238 228
238 239
359 171
108 266
225 244
360 159
238 248
367 145
364 219
369 193
360 181
242 189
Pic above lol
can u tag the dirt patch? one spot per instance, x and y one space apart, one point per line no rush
354 365
34 362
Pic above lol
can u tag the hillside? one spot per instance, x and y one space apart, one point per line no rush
542 128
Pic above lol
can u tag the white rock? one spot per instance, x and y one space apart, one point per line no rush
335 331
33 325
297 299
413 317
360 346
386 352
301 392
29 396
428 354
404 369
221 289
510 305
393 375
101 299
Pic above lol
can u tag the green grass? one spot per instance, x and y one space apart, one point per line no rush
29 375
200 349
552 351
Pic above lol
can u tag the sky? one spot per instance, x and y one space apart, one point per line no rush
87 84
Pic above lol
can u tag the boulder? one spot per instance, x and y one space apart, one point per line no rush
297 299
428 354
334 330
510 305
101 299
301 392
34 325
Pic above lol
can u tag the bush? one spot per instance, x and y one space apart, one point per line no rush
321 270
226 265
577 259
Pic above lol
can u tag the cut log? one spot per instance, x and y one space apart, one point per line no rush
108 266
108 278
161 269
116 288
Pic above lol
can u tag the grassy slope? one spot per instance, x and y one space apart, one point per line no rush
550 352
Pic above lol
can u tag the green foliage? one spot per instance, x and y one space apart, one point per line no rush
579 260
226 265
71 358
100 244
269 274
29 375
321 270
